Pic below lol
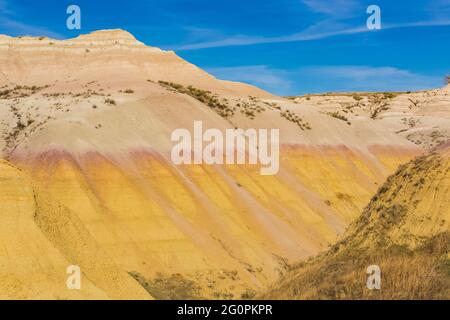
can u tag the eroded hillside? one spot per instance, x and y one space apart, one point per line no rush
89 121
41 238
404 230
420 117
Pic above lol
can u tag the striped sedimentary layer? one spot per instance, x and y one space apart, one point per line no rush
40 239
151 217
89 121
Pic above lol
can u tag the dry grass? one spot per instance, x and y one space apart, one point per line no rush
423 273
356 95
206 97
339 116
169 287
293 117
20 91
110 102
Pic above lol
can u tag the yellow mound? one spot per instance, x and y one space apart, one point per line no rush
40 239
89 121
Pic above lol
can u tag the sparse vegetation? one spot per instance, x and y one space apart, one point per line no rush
377 109
5 93
413 267
415 103
251 109
110 102
20 125
172 287
337 115
378 103
390 95
293 117
274 105
21 91
248 294
205 97
422 273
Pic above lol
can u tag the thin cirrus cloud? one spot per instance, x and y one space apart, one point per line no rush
16 28
11 25
328 78
3 8
334 8
311 33
270 79
367 78
336 20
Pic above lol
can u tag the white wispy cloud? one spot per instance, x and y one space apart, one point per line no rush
438 9
328 78
10 24
243 40
312 33
367 78
200 33
334 8
335 22
270 79
3 8
13 27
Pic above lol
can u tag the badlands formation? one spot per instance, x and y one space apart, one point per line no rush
404 230
86 176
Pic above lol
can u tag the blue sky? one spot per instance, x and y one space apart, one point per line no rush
285 46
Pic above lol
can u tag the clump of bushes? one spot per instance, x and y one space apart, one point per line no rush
20 91
293 117
4 94
250 109
204 96
339 116
110 102
248 294
169 287
378 109
390 95
20 125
